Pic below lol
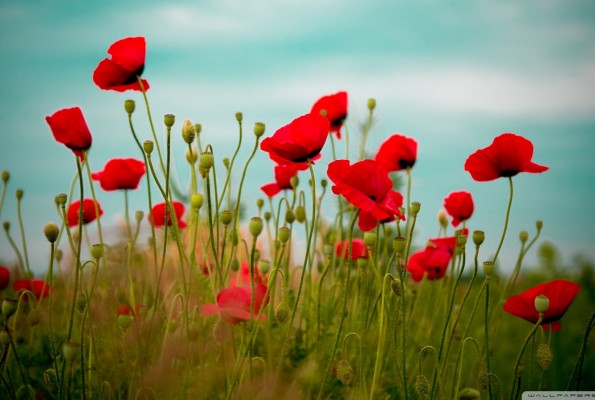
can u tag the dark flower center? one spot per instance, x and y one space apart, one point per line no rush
337 122
507 173
404 164
132 77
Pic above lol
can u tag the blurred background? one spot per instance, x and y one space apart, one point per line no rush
453 75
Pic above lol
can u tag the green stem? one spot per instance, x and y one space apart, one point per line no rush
515 377
22 229
505 220
381 338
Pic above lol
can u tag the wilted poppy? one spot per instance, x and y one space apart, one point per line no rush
334 107
283 175
358 249
157 216
38 287
433 260
89 214
120 174
508 155
300 140
70 128
121 71
397 152
4 277
560 293
367 186
233 304
459 205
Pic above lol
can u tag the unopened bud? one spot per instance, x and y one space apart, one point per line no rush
289 216
259 129
225 217
124 321
169 120
323 183
539 225
226 162
9 307
294 181
206 160
129 106
239 116
282 312
542 303
300 214
344 372
370 239
362 262
19 194
51 232
267 216
259 203
523 236
284 234
395 286
442 218
371 104
61 199
5 176
264 266
188 131
196 200
191 156
97 251
4 337
478 237
544 355
469 394
139 215
255 226
422 386
34 317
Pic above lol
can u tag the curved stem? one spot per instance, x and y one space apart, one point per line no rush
505 221
515 384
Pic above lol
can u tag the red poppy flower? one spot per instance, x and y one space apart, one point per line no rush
89 215
300 140
125 310
397 152
358 249
560 293
459 205
4 277
367 186
283 175
38 287
120 173
335 110
508 155
242 277
127 62
433 260
233 304
157 216
70 128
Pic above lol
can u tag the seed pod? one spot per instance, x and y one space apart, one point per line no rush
344 372
422 386
544 355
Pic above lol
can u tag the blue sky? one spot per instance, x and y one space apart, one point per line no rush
453 75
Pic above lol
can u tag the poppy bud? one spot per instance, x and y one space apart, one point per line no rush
19 194
51 232
124 321
58 255
169 120
81 301
488 268
289 216
206 160
415 207
198 128
443 218
399 244
539 224
5 176
267 216
239 116
300 214
6 225
294 181
469 394
258 129
188 131
196 200
9 307
129 106
225 217
344 372
264 266
323 183
542 303
259 203
191 156
4 337
256 255
362 262
523 236
97 251
235 265
478 237
139 215
282 312
422 386
34 318
284 234
61 198
369 238
70 351
395 286
544 355
371 104
148 146
483 379
255 226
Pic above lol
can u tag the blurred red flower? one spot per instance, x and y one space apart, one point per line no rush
127 62
283 175
459 205
242 276
508 155
233 304
397 152
300 140
358 249
157 216
4 277
89 215
433 260
120 173
560 293
70 128
38 287
335 109
125 310
367 186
